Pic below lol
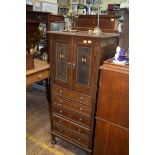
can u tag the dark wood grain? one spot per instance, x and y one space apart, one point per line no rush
110 139
108 23
73 91
112 118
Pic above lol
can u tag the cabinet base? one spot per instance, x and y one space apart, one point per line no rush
87 151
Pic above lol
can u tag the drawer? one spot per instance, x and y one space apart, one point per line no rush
83 109
77 138
72 115
37 76
78 97
70 125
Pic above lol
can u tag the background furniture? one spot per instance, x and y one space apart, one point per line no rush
75 60
124 35
108 23
33 19
40 72
112 118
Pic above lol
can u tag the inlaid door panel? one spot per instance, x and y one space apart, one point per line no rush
61 60
84 62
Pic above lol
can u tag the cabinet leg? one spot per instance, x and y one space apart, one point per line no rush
53 140
88 153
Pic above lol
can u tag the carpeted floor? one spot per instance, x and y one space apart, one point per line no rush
38 128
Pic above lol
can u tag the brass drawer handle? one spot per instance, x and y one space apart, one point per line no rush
89 41
84 60
85 41
61 56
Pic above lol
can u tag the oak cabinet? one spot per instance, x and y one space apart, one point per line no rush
75 60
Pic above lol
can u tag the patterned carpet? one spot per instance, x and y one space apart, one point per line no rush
38 128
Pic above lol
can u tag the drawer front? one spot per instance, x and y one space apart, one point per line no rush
77 138
72 115
37 77
70 125
78 97
83 109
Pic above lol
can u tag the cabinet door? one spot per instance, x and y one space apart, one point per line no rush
110 139
84 65
61 60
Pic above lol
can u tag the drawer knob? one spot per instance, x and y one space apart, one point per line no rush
112 19
60 111
73 65
79 139
80 109
40 76
79 130
60 91
60 121
69 64
80 120
81 98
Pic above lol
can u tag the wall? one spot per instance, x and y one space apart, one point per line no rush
104 5
106 2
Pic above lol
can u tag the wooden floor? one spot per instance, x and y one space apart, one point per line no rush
38 128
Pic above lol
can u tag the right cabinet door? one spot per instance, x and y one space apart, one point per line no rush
84 64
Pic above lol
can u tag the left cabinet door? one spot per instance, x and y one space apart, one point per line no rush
61 60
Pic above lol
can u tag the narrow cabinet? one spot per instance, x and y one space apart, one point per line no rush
75 60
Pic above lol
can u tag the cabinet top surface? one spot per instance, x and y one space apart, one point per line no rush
109 65
85 34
